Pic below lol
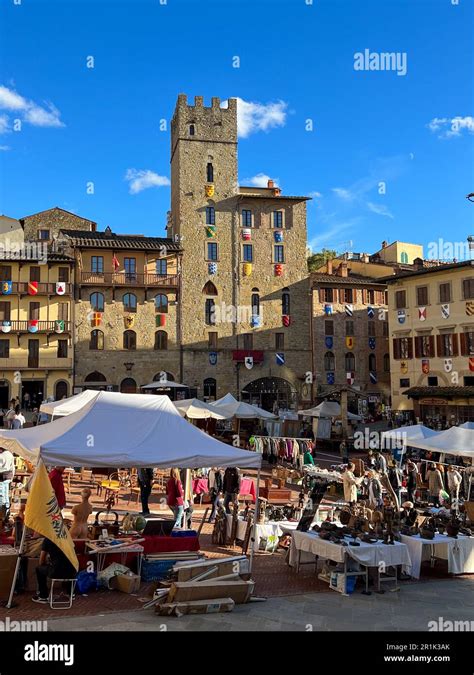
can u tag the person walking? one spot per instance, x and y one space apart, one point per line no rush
175 496
350 483
454 483
215 486
18 421
395 477
380 462
231 486
9 415
7 472
375 492
145 483
412 473
435 484
56 478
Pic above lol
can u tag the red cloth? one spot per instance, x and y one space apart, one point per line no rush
247 487
174 493
56 479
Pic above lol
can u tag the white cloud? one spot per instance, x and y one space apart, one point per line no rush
4 128
315 195
31 112
379 209
4 148
450 127
144 179
260 180
253 117
343 193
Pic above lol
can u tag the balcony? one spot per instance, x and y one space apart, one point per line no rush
129 279
21 288
41 327
42 363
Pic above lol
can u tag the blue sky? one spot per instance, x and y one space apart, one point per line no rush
414 132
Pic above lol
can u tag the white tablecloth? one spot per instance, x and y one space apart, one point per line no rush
370 555
458 552
273 529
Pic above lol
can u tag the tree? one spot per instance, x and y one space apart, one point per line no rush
319 259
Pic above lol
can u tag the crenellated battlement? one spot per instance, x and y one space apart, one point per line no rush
204 123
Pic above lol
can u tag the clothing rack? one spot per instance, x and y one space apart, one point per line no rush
285 438
287 448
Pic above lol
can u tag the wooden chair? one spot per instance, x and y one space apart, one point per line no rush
134 488
111 487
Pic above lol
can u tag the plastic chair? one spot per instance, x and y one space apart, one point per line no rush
62 604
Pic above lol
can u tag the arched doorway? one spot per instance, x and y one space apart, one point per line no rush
95 380
61 389
210 388
270 393
128 386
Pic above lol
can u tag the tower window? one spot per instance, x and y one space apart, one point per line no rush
192 130
246 218
277 218
210 173
129 339
247 252
210 215
278 253
212 251
255 303
209 312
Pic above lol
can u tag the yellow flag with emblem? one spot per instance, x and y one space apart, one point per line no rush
43 515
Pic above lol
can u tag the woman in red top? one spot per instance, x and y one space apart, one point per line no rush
175 496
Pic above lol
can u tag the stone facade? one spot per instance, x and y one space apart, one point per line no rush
52 221
350 317
204 136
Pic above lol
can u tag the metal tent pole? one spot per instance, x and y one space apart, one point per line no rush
257 510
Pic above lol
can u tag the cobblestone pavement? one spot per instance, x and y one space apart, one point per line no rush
407 610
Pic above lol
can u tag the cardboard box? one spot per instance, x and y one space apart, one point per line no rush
7 570
186 591
127 583
238 564
217 605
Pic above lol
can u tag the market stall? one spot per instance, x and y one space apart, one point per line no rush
458 552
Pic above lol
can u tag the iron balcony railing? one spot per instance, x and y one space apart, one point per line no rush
128 279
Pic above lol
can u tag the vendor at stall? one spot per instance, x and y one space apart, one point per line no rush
53 564
408 514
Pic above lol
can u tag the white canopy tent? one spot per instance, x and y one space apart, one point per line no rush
412 432
455 441
328 409
66 406
467 425
125 430
230 407
195 409
164 384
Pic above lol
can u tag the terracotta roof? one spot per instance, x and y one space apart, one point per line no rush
58 208
352 280
429 270
23 256
255 195
446 392
84 239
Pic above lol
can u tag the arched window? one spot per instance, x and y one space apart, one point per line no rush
209 289
372 362
128 386
97 302
96 340
350 362
285 301
255 301
386 363
161 340
210 173
161 303
210 318
192 129
129 339
163 376
95 377
210 215
404 257
61 390
210 388
329 361
130 302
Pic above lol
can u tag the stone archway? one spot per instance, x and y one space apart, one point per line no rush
270 393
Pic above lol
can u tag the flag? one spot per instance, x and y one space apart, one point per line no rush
96 319
32 288
115 263
160 320
43 515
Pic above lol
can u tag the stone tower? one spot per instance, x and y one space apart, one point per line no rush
219 225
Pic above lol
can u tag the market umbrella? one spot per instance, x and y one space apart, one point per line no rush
328 409
230 407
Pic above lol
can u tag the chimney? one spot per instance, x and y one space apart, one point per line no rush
329 267
384 244
418 263
271 183
276 192
342 270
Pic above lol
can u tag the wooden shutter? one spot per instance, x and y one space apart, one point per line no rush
418 343
396 348
455 344
410 347
439 346
462 340
321 295
432 346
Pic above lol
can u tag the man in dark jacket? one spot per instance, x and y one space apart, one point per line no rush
231 486
53 564
145 482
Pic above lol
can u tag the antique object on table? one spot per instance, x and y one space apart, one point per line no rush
127 522
428 529
318 491
345 515
452 528
388 513
262 507
112 527
219 533
354 541
248 533
235 523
